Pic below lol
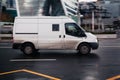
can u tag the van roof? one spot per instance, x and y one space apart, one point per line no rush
65 18
44 17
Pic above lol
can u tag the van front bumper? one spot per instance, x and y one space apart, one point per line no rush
94 45
16 45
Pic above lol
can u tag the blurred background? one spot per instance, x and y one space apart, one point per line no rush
96 16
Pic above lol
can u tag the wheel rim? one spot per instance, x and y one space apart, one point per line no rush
84 50
28 50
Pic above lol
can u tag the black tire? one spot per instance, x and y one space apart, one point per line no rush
84 48
28 49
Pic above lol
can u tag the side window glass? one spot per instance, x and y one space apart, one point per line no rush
73 30
55 27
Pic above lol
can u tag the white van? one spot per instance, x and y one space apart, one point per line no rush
54 33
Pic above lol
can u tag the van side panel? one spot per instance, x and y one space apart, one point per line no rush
26 30
50 35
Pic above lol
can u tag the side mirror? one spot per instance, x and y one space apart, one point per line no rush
82 34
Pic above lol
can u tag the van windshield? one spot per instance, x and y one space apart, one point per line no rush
74 30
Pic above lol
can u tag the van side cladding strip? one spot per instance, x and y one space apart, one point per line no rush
26 33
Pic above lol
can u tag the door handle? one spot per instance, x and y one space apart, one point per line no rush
59 36
63 36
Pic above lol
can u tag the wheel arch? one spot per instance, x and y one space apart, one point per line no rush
81 44
28 42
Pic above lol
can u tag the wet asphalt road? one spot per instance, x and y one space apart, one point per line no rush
101 64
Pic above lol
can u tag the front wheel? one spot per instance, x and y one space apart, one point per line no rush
84 48
28 49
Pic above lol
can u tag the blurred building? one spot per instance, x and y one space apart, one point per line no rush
106 12
113 6
8 11
48 8
10 4
0 3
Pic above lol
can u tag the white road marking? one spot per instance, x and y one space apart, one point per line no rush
31 60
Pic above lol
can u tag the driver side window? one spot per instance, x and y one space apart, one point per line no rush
73 29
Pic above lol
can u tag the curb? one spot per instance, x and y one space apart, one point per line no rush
106 36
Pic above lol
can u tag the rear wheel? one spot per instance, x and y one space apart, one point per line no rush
28 49
84 48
